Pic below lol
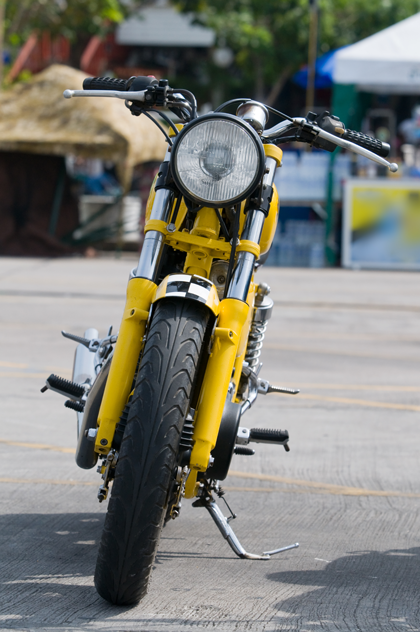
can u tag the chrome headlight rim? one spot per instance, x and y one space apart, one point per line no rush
258 145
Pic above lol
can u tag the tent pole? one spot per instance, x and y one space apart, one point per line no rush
330 245
312 51
345 102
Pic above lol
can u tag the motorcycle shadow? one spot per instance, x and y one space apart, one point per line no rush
363 585
46 569
47 563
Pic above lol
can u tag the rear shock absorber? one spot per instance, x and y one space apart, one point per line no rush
262 313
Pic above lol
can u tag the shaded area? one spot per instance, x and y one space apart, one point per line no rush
49 560
364 590
37 206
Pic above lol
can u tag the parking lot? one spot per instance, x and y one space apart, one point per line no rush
348 491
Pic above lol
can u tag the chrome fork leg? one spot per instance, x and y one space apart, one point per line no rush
151 252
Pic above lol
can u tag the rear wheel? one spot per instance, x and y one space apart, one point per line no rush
148 455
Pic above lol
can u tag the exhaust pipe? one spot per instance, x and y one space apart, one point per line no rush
84 371
84 367
86 457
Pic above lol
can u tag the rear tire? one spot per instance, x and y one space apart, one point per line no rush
148 455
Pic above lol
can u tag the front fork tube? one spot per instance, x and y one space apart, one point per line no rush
232 318
140 293
151 252
141 290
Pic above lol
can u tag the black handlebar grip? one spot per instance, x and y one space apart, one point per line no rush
104 83
373 144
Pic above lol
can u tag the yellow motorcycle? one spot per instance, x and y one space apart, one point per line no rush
160 404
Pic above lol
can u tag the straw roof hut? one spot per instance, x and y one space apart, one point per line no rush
35 118
38 127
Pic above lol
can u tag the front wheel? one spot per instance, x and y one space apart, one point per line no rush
148 455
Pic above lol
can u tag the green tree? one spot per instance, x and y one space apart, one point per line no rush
59 17
77 20
270 37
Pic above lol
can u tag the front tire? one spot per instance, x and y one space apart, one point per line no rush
148 455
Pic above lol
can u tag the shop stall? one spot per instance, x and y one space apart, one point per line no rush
381 211
43 137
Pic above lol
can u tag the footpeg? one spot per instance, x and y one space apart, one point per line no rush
229 535
262 435
63 387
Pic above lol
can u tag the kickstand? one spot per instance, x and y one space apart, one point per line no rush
227 532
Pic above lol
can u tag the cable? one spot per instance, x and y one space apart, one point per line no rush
269 108
286 139
176 209
235 231
182 108
159 126
226 103
192 100
222 224
168 120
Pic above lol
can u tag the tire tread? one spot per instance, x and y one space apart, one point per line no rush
149 449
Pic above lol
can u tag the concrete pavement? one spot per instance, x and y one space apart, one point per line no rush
349 490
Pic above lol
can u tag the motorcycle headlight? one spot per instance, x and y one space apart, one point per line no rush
217 160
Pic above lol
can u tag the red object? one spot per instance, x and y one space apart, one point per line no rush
38 52
22 58
92 60
99 56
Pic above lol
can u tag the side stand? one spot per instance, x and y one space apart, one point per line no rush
229 535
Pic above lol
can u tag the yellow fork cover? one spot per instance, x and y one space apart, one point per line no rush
140 293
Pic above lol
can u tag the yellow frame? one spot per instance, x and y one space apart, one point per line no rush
229 342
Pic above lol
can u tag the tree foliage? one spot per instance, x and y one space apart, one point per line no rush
69 18
270 37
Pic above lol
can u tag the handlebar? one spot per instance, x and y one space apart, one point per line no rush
139 90
357 149
313 130
324 131
332 124
105 83
372 144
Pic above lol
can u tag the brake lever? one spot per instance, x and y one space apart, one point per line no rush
307 126
345 144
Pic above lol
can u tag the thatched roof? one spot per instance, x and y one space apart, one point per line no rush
35 118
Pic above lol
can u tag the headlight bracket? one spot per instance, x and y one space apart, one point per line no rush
261 201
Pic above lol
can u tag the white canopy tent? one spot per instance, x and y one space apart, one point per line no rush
387 62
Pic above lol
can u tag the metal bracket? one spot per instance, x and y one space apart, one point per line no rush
96 345
257 386
110 463
181 479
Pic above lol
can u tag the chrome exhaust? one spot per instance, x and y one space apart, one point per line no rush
84 367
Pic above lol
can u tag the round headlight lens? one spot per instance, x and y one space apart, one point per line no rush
217 161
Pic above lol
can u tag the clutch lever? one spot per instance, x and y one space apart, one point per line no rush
116 94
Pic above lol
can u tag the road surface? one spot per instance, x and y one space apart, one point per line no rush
348 491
